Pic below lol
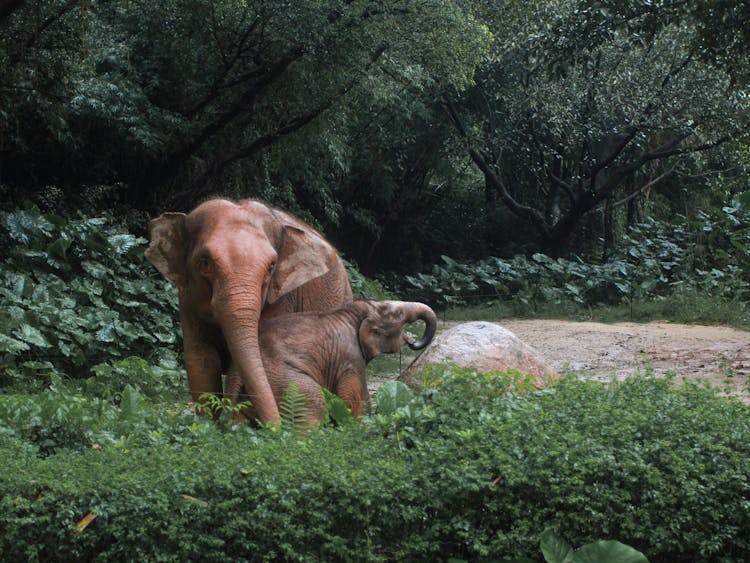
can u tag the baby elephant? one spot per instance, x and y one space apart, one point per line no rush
331 349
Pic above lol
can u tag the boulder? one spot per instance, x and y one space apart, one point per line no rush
484 346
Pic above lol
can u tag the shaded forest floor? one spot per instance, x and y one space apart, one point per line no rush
717 355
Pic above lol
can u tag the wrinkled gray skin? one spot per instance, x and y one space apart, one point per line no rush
332 349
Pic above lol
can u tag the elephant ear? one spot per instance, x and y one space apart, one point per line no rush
303 256
368 340
166 250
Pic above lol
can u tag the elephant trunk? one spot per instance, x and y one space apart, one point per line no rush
238 318
425 314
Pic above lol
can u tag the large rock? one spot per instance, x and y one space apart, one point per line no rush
485 346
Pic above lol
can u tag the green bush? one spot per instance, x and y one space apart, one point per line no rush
463 469
708 256
75 294
362 286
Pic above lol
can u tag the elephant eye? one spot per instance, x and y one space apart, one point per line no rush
204 265
272 267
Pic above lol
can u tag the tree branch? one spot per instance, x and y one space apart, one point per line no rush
644 187
51 20
242 105
218 85
567 188
198 186
518 209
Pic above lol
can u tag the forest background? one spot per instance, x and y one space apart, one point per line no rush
404 130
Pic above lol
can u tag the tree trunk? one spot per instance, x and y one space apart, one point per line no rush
608 227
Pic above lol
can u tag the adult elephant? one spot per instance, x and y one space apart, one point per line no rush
235 263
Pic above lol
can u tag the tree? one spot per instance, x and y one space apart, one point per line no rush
179 99
557 138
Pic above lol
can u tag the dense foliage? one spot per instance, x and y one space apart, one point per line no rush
462 469
406 130
557 137
708 254
76 298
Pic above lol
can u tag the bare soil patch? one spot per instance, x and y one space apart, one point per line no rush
714 354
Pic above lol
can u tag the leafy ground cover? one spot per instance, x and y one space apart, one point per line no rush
464 469
693 270
76 299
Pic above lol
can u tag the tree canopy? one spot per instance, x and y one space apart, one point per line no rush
556 138
405 129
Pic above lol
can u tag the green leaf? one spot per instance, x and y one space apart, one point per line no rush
391 396
554 548
59 248
294 410
610 551
25 226
131 401
107 333
96 270
123 243
336 409
32 336
10 345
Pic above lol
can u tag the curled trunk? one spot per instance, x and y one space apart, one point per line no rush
425 314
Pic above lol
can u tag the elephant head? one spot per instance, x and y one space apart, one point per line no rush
235 263
382 331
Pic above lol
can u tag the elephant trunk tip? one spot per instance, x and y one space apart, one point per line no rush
429 318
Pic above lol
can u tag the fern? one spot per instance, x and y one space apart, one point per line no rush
294 411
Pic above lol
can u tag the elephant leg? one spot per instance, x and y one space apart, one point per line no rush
202 362
204 371
353 391
232 390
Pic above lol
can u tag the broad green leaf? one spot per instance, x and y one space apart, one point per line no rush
26 226
554 548
391 396
610 551
59 248
107 334
16 283
96 270
10 345
123 243
31 335
336 409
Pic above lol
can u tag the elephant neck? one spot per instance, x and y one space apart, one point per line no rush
355 312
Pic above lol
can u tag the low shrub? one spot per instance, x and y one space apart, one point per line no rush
75 294
705 258
464 469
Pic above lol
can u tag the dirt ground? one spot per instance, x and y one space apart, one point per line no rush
718 355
